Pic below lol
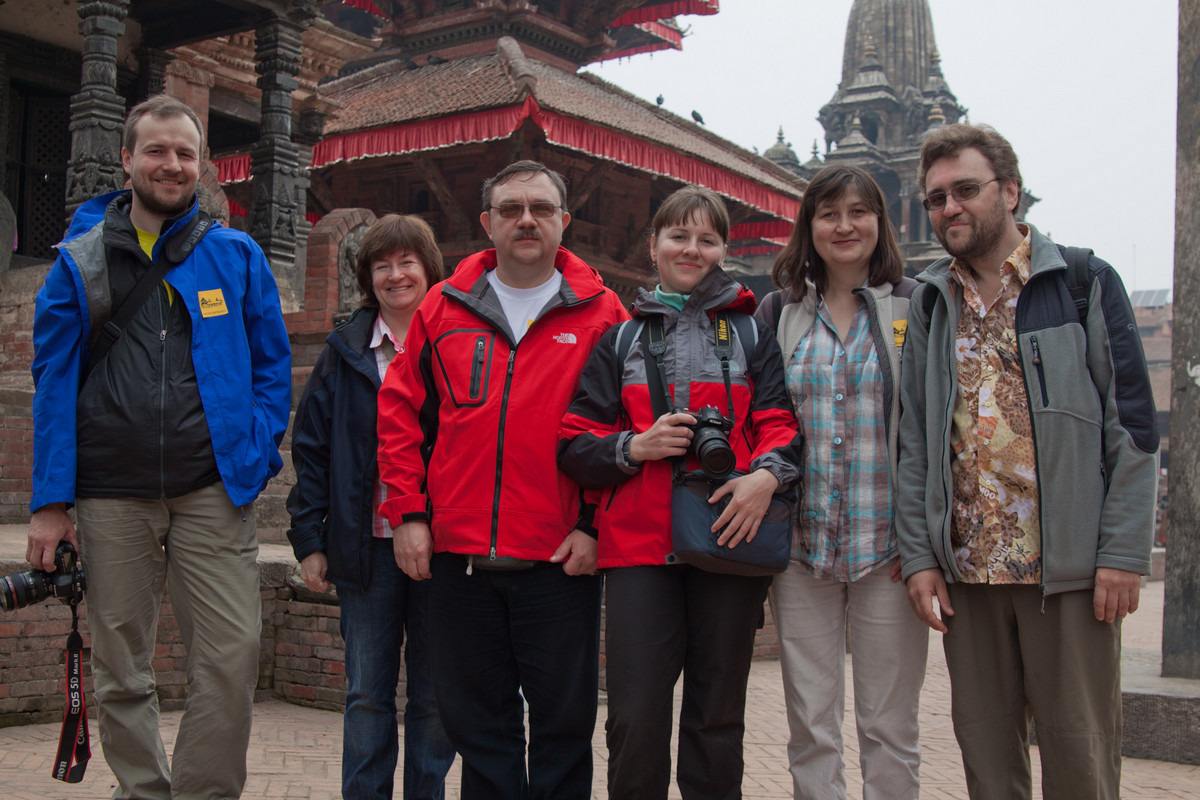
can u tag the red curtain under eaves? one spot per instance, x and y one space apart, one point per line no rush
367 6
606 143
774 229
232 169
411 137
560 129
657 11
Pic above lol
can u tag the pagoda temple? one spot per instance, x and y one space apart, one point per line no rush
891 94
457 90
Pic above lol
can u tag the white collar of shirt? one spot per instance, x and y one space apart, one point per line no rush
381 329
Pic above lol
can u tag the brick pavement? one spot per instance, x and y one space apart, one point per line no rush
295 751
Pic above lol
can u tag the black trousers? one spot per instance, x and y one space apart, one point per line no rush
496 636
661 621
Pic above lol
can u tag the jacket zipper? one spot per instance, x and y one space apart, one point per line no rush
512 357
477 367
1041 372
162 400
1033 432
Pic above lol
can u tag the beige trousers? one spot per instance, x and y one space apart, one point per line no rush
889 646
206 549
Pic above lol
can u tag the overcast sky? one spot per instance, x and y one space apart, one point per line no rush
1084 90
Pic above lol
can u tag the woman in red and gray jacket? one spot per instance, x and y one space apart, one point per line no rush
664 617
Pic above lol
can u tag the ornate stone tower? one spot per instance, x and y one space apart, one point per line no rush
892 92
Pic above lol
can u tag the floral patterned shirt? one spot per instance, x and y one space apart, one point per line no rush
995 527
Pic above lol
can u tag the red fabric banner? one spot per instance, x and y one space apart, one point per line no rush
410 137
657 11
367 6
762 230
232 169
560 129
605 143
671 36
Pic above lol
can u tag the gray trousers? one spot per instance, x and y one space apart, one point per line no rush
206 549
1010 660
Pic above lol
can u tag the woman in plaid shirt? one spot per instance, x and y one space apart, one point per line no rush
840 319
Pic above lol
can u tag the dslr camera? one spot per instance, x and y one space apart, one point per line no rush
710 442
34 585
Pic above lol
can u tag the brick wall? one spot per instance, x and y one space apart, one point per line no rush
18 290
302 656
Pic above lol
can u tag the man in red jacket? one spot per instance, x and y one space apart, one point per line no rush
468 421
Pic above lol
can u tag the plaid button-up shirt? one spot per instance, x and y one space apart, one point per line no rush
836 387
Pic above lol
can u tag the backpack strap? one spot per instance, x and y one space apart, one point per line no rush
1078 281
170 254
626 333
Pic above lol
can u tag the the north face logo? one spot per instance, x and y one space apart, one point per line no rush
566 338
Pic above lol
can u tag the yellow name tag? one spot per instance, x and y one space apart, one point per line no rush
212 303
899 329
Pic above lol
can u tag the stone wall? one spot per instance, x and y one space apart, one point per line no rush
302 656
18 290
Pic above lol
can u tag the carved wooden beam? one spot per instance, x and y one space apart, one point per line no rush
459 224
322 192
591 181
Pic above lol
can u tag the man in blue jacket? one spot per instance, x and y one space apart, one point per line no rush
1027 478
162 444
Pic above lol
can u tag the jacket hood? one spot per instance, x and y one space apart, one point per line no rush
112 208
580 281
90 214
717 291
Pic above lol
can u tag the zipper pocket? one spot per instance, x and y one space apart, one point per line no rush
1041 370
477 367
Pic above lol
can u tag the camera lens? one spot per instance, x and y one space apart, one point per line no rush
22 589
713 452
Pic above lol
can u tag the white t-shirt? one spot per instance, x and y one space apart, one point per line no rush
521 306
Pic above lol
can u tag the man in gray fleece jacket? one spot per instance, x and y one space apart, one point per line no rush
1027 479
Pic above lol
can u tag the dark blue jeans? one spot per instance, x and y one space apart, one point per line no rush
373 623
497 636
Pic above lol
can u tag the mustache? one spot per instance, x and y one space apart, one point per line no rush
528 233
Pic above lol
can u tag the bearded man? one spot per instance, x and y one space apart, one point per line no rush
1028 471
163 385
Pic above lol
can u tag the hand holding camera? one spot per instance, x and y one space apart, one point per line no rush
66 582
669 437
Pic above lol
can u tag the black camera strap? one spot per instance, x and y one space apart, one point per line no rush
74 745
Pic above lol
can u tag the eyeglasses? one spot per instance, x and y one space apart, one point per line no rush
936 201
517 210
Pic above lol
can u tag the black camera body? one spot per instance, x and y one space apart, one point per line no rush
67 582
710 442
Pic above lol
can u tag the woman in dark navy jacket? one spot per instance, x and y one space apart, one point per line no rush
339 539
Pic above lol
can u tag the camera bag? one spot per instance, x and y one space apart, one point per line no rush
692 516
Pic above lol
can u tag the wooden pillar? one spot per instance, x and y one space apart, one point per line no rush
4 112
1181 612
97 111
278 204
153 79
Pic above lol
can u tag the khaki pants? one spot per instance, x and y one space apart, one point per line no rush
1010 660
889 646
206 549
